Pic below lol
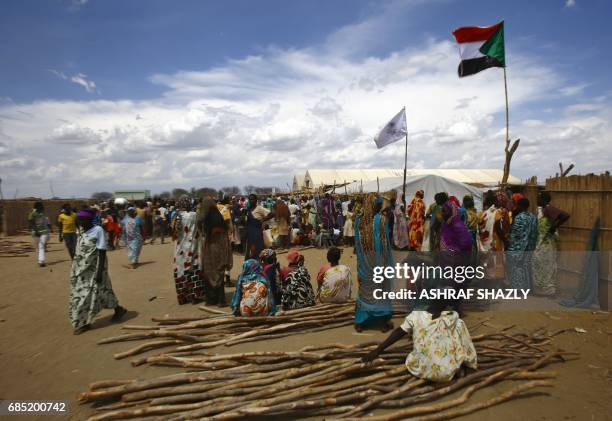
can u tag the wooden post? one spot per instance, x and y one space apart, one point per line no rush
509 150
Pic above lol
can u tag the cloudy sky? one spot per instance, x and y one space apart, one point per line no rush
102 95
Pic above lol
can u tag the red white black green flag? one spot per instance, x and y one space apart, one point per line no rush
480 47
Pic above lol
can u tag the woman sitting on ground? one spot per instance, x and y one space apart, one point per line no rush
297 290
334 280
253 295
442 345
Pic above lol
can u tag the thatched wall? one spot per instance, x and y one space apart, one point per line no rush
585 198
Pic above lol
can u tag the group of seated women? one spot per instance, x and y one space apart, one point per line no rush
264 285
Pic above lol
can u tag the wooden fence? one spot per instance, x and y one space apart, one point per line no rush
14 213
585 198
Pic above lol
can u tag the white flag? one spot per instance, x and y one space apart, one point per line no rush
394 130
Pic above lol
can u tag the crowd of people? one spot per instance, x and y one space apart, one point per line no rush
517 246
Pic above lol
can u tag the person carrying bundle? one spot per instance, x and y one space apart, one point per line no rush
442 345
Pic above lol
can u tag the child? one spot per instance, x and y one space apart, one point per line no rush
441 343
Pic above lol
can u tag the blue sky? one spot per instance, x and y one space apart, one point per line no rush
98 95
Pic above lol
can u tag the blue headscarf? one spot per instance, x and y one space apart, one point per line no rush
251 271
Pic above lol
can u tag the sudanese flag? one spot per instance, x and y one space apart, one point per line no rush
481 47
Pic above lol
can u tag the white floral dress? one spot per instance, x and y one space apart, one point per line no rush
440 346
336 286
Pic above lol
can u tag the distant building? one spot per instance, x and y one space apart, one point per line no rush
133 194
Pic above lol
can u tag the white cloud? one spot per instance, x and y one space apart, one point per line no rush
81 79
78 78
570 3
258 119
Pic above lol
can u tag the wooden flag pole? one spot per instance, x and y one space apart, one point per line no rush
509 150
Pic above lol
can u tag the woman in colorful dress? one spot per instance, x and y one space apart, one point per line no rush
373 248
216 250
253 295
256 216
416 216
297 289
400 228
434 212
132 229
523 240
442 346
90 285
335 283
550 219
493 229
283 219
348 231
188 273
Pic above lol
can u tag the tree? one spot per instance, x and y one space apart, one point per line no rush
249 189
165 195
231 190
206 192
178 192
263 190
102 196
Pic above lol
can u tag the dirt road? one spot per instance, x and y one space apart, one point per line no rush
40 359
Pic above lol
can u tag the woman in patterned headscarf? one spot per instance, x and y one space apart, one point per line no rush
416 215
373 249
90 285
253 295
297 289
188 273
216 250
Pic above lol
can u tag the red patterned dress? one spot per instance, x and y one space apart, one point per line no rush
188 274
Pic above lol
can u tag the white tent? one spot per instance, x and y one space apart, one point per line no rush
314 178
430 184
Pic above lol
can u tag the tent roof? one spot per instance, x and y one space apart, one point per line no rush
477 177
429 183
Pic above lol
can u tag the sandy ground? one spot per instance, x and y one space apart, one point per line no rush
40 359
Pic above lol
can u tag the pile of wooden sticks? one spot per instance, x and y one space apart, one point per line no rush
196 333
328 381
15 248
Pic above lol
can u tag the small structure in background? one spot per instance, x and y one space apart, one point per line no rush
133 194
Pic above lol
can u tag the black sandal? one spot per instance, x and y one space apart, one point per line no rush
119 313
81 329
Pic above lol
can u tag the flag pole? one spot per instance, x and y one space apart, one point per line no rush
405 166
507 117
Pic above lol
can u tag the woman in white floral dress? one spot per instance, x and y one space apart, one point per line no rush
441 343
90 285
